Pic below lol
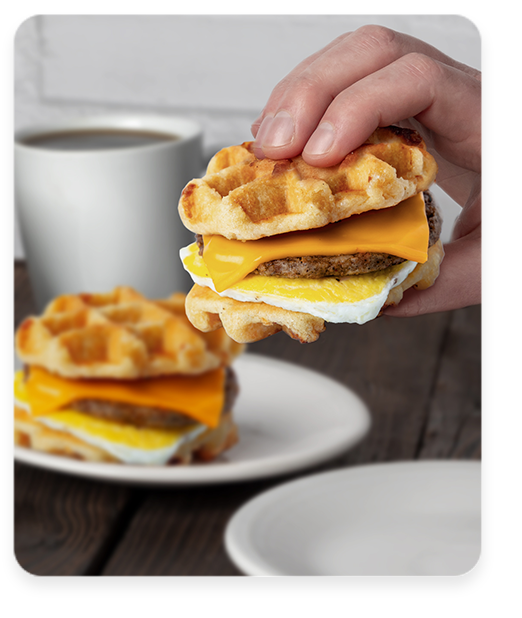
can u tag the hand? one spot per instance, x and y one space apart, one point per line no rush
332 101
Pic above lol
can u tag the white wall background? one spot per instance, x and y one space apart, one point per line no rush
216 69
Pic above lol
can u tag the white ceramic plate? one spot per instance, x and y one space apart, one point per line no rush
288 418
411 518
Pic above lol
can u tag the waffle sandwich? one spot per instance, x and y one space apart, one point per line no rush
118 378
282 245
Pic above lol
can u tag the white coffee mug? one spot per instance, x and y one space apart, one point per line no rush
92 219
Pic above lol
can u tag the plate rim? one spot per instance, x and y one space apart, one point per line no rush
216 473
245 515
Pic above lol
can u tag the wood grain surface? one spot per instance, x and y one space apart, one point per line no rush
420 378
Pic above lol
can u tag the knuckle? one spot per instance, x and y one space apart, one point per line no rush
342 37
379 37
298 87
422 66
281 86
308 82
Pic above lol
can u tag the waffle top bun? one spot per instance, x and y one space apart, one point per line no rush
245 198
120 335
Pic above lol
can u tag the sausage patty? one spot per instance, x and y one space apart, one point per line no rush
142 416
318 266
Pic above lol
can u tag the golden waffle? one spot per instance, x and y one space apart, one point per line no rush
242 197
247 322
120 335
29 433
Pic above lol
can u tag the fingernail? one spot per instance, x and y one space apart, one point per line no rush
321 141
280 132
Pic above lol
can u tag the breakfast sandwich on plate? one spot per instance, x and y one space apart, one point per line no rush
116 377
283 245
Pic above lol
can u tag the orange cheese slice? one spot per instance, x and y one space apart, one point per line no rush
401 230
199 397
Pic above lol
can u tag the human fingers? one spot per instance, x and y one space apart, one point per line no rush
442 98
346 59
299 101
457 286
280 88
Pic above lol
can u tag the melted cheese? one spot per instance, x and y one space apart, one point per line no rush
199 397
401 230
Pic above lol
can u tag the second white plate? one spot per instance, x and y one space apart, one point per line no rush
288 418
408 518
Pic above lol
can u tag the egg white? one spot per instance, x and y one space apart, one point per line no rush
124 453
354 299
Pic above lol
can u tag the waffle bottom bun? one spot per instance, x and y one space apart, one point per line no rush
29 433
246 322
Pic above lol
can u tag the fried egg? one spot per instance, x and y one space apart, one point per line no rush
354 299
127 443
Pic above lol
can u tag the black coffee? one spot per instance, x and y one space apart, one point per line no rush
97 139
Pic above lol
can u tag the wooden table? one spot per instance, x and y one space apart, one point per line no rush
420 378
